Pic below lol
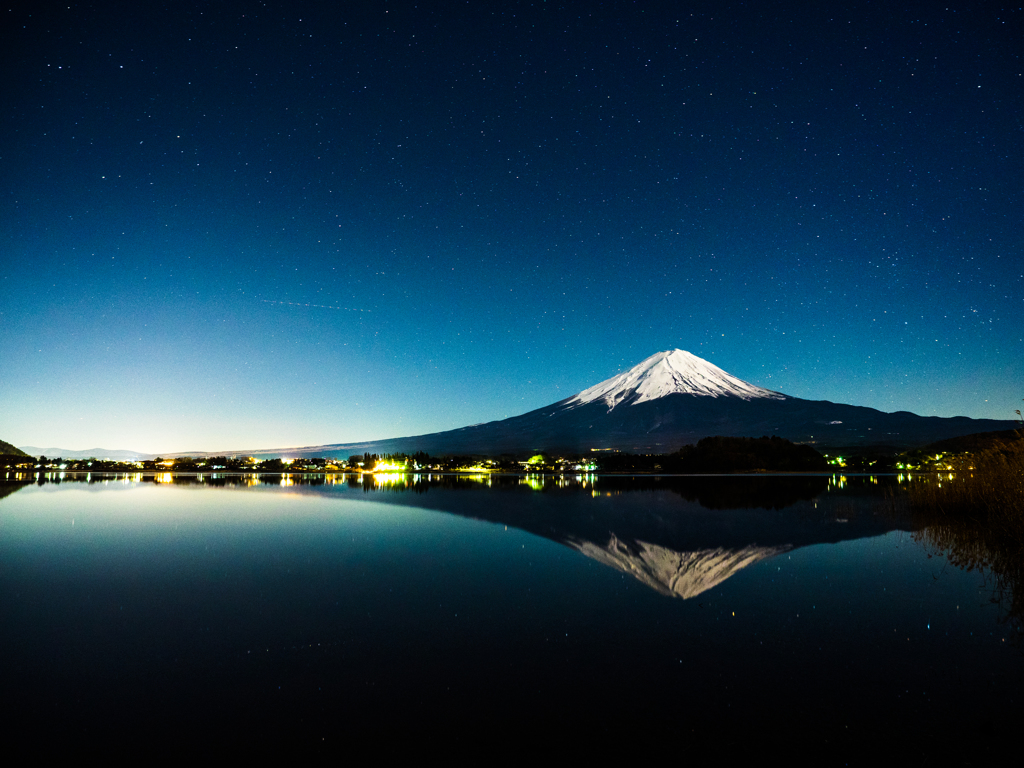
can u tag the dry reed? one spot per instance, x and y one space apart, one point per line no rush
975 517
986 487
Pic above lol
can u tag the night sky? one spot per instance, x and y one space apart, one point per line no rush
240 225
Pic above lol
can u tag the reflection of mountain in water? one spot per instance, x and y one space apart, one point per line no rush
7 488
718 492
678 535
675 574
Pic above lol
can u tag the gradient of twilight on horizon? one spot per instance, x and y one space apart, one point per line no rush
238 225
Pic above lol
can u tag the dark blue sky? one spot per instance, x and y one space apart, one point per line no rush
239 225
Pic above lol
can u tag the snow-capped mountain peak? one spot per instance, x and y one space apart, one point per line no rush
670 372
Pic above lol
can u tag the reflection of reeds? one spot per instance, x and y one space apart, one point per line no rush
976 518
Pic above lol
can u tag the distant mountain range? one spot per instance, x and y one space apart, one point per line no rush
669 400
91 453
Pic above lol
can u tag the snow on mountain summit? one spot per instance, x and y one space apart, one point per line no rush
667 373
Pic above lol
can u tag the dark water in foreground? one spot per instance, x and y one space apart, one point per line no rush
728 613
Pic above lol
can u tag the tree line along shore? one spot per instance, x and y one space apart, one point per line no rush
709 455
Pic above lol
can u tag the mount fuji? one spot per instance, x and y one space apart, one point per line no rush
669 373
671 399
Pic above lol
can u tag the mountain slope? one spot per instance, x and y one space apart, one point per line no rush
10 450
669 400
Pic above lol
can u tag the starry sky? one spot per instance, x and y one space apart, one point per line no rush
232 225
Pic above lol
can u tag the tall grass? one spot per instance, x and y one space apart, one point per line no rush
986 487
976 519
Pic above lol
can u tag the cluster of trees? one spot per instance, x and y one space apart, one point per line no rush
722 454
190 464
10 461
16 460
710 455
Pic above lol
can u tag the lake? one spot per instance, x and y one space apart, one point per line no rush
595 613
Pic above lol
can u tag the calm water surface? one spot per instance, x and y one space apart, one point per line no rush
714 611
